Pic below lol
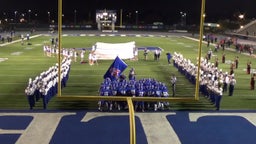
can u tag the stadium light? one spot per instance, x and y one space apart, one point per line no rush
105 14
241 16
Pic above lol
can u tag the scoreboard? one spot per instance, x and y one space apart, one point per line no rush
106 19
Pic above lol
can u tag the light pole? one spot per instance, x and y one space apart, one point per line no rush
137 17
241 17
75 11
63 15
23 16
5 17
183 19
49 17
15 16
29 11
36 16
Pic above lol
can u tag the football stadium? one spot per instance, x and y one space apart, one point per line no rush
115 85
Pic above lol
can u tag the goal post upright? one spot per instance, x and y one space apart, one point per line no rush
202 16
59 45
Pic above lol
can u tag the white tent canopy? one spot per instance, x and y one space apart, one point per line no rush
111 50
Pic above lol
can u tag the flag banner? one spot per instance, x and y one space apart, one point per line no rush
105 51
115 69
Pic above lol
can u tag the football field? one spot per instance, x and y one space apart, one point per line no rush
78 121
21 62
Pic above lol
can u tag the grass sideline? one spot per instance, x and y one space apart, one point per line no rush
20 62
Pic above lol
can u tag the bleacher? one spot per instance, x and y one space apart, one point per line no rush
247 32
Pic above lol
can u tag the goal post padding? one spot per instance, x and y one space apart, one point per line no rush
106 51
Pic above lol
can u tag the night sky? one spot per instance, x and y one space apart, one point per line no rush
167 11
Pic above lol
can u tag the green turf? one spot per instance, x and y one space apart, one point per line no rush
25 61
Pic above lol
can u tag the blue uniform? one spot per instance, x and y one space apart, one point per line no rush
140 93
169 56
104 91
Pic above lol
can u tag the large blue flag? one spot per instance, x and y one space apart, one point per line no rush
115 69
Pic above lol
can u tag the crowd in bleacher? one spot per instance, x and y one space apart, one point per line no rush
146 87
45 85
213 81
